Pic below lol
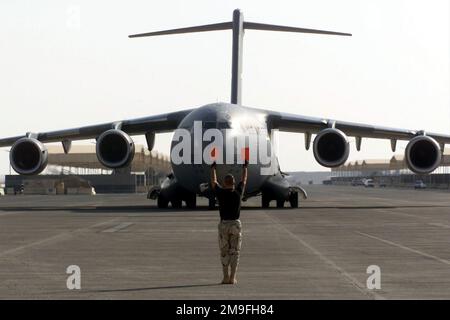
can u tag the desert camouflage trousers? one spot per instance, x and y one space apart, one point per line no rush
230 239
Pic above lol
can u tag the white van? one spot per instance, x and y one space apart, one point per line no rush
368 183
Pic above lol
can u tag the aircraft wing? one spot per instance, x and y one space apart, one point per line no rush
297 123
156 124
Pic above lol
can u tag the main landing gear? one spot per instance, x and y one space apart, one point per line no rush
176 201
293 200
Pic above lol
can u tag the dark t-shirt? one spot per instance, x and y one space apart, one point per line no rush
229 202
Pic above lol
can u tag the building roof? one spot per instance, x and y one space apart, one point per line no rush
84 156
396 162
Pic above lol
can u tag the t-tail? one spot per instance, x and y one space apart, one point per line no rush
238 26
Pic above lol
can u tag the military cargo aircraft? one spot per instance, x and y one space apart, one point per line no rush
115 147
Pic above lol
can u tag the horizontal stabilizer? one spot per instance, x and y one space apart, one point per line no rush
271 27
208 27
229 25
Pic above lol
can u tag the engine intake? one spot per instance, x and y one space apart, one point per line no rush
423 155
28 156
115 149
331 148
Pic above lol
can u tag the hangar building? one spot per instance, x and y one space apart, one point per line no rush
79 171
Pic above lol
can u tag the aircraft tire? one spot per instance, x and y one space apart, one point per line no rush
212 203
162 202
293 199
191 203
176 204
280 203
265 201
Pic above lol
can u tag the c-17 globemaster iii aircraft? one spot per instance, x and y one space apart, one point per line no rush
115 148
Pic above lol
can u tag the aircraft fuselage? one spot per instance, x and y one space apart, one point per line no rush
245 136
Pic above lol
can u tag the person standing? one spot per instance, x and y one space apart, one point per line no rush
229 197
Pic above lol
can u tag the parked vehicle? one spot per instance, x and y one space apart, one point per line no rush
18 189
368 183
357 182
419 184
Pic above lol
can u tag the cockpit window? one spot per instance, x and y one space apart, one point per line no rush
223 125
216 125
209 125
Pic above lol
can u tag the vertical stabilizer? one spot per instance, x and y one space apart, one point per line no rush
236 69
238 25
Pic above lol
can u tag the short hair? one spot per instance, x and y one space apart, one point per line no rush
229 179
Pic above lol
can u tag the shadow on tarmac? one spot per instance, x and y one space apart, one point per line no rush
154 288
154 209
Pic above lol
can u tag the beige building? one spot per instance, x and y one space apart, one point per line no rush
393 172
395 165
80 172
83 158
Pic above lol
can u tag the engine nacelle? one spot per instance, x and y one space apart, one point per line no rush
28 156
423 155
331 148
115 149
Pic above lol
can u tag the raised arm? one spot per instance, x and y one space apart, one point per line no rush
213 176
244 174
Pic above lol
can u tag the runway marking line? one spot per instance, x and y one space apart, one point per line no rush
434 224
119 227
353 281
3 214
439 225
60 236
421 253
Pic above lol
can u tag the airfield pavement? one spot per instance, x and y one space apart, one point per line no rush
127 248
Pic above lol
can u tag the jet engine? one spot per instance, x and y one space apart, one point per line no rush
115 149
331 148
28 156
423 155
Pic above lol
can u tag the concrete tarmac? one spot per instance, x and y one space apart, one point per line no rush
126 248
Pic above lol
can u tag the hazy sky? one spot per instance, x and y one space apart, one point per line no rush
69 63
